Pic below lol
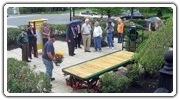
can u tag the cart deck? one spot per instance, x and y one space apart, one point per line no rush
89 71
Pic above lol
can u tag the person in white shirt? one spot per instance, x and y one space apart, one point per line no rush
86 35
97 34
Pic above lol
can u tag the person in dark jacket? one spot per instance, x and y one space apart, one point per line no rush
70 37
24 44
79 37
32 41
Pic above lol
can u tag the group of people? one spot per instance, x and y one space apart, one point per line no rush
75 31
74 34
28 41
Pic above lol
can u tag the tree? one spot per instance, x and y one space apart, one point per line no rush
156 11
110 11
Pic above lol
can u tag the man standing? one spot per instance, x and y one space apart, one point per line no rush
32 41
86 35
45 32
48 56
70 38
24 44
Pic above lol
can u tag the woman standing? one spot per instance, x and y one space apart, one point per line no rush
97 34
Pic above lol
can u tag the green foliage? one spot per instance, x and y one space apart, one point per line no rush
61 28
12 34
134 73
113 83
150 54
108 10
21 79
154 11
39 10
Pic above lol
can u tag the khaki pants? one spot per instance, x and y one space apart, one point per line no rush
86 41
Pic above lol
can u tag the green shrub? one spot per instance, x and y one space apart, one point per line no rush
135 73
150 54
61 28
141 22
12 34
113 83
21 79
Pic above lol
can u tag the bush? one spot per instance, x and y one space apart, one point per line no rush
61 28
150 54
21 79
113 83
135 73
12 34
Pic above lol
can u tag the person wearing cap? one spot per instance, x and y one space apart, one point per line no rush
86 35
120 30
23 41
70 38
45 32
48 56
97 34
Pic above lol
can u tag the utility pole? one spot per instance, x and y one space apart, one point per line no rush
132 11
73 11
70 14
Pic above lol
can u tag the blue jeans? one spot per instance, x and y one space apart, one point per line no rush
97 43
120 37
49 67
109 40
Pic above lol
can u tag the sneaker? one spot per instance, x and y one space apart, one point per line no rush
52 79
28 61
112 48
108 47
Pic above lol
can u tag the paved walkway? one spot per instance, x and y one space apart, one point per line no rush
59 85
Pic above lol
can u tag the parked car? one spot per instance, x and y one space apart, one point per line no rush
89 14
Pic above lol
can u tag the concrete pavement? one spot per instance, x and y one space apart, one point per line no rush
59 85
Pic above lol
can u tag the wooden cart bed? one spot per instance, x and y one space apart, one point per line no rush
96 67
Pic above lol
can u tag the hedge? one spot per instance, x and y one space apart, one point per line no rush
12 34
22 79
150 54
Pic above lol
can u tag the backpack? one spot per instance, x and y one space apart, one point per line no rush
19 40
